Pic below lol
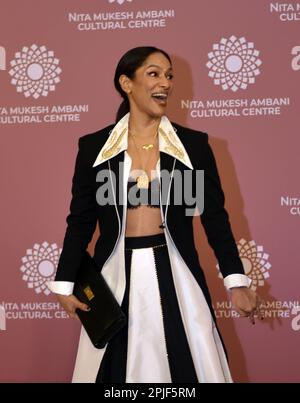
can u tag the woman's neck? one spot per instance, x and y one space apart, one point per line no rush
143 126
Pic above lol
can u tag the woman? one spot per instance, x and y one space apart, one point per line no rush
146 249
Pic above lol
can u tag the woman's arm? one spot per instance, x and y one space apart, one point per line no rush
215 221
81 222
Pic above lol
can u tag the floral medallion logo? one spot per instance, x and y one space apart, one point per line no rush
35 71
39 266
118 1
255 262
233 63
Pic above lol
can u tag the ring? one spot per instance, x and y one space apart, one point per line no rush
256 313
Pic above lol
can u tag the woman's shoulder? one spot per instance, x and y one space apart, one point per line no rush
195 142
90 144
98 137
188 135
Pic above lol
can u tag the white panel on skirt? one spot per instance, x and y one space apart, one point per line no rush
147 359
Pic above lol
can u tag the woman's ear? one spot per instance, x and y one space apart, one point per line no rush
125 84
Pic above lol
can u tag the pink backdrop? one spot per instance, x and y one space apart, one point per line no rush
240 62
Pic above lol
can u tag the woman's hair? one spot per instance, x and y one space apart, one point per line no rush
128 64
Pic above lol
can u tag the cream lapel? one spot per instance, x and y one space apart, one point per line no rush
169 142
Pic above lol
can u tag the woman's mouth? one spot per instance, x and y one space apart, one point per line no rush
160 98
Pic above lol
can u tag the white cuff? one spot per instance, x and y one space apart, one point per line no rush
237 280
61 287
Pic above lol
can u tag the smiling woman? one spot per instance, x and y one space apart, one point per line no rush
142 83
146 250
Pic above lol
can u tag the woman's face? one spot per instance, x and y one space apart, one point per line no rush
151 86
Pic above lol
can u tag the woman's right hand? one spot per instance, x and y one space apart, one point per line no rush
70 303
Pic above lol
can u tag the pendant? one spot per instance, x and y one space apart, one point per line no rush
143 181
147 146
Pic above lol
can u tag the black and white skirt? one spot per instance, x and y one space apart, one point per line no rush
171 336
153 347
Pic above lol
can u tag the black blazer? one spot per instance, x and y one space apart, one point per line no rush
84 210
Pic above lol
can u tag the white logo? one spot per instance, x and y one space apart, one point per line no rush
118 1
255 262
296 59
39 266
35 71
2 318
2 58
233 63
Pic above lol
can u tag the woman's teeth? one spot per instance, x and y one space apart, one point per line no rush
161 97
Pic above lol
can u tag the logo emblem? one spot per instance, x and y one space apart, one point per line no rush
39 266
35 71
255 262
233 63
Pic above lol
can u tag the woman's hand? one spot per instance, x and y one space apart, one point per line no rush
70 303
247 303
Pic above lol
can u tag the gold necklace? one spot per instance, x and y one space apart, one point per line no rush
144 146
143 180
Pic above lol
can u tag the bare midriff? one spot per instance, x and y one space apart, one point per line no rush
143 220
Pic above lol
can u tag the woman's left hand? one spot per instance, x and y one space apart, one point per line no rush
247 303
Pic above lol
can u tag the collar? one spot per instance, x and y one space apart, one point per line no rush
168 142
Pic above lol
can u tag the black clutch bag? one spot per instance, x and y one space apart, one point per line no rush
105 317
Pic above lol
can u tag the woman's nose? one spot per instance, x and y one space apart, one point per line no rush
165 82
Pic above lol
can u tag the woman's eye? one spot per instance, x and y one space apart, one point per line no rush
155 74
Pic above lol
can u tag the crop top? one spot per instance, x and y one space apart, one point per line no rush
137 197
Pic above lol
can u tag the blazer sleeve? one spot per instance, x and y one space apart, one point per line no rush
215 221
81 221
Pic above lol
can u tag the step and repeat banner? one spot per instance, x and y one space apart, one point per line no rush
237 77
